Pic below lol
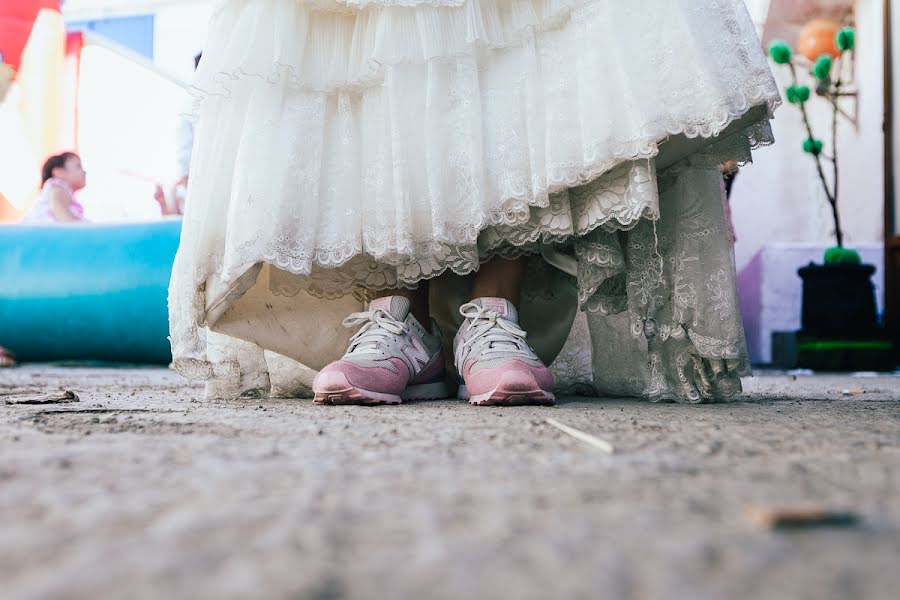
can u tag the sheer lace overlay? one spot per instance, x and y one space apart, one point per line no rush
353 145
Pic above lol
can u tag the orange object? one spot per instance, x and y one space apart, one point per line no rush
817 38
32 115
71 74
16 20
8 214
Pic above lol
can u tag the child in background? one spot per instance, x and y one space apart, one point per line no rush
61 176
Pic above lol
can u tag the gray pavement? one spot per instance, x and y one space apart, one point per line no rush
144 490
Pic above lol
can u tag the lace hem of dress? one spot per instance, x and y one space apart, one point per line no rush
616 200
681 345
670 285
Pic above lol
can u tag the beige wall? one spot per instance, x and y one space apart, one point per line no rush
779 198
895 51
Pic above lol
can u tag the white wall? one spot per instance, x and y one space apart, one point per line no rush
779 197
180 34
180 26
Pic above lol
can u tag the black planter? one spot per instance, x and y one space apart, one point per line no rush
838 301
840 330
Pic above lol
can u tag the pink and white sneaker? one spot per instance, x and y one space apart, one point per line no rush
497 366
390 359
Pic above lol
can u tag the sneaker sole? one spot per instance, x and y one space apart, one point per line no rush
502 396
347 394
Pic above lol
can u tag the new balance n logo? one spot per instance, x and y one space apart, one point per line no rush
416 354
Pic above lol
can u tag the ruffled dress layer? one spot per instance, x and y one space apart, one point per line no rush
349 146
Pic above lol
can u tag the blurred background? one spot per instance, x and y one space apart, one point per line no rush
108 79
105 79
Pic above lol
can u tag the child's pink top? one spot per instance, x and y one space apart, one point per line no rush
42 212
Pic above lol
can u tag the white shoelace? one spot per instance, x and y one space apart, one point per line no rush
493 333
377 325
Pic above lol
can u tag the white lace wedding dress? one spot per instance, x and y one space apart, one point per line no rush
352 145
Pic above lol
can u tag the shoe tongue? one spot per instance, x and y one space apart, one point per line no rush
501 306
396 306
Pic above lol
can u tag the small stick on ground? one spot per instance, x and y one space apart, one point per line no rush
582 436
57 398
801 517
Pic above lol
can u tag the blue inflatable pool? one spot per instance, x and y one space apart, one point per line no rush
87 292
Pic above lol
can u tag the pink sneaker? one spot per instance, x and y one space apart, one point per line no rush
495 362
390 359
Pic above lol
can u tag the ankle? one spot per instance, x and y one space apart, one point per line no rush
500 278
418 301
508 295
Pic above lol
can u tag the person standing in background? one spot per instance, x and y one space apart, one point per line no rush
184 138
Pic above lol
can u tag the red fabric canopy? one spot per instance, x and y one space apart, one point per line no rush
16 20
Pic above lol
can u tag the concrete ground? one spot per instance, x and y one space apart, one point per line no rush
142 490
